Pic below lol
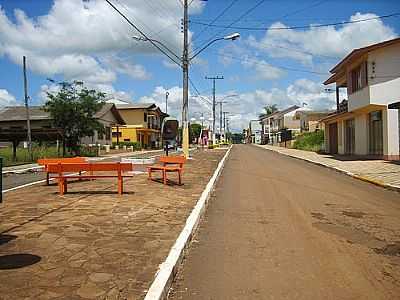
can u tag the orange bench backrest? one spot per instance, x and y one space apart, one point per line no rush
173 159
46 161
76 167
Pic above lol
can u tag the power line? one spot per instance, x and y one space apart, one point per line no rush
297 27
247 12
299 51
302 9
215 19
141 32
205 100
161 13
257 62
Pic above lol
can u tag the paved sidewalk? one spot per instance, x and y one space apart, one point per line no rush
92 243
380 172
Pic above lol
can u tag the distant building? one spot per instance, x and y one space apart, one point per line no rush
13 124
255 132
310 120
369 126
275 125
143 124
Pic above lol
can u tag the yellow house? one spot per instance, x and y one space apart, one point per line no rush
143 124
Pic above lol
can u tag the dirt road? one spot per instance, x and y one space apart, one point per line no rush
280 228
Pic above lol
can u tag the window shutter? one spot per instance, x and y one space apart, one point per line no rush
349 82
364 75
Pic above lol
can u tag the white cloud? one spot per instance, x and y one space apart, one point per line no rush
123 66
304 45
73 44
169 64
263 70
196 104
108 89
6 99
249 105
246 106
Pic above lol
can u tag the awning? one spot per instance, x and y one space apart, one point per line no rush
335 116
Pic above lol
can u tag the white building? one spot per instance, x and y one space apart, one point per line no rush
255 131
372 78
273 124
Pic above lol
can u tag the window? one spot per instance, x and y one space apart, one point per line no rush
359 77
108 133
375 133
100 135
115 134
145 117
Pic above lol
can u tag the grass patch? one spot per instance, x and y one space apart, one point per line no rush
310 141
23 155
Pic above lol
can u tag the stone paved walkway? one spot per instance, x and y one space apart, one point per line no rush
380 172
92 243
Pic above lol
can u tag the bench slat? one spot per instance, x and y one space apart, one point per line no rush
92 176
76 167
46 161
172 159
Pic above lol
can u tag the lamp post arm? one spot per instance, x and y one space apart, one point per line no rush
205 47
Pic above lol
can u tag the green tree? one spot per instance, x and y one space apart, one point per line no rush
269 109
195 130
73 109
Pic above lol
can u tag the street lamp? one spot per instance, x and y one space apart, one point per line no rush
184 64
232 37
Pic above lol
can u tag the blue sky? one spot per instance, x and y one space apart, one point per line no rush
87 40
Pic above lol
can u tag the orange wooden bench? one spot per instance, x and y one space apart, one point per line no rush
46 161
61 168
168 164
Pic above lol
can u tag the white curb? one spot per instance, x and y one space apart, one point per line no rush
167 270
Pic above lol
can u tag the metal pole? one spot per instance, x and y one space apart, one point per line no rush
185 68
166 102
28 122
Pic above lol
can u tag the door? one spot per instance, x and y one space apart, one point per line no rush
350 138
333 138
375 133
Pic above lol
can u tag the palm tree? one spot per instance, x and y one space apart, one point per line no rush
269 109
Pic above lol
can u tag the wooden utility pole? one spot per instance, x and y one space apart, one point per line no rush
28 121
213 104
